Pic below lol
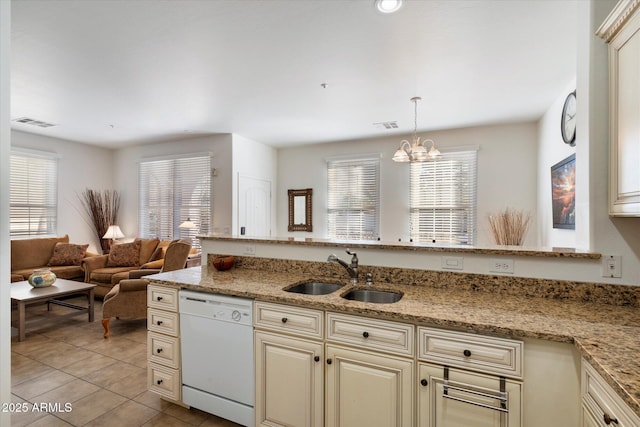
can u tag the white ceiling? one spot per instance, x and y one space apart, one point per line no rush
116 73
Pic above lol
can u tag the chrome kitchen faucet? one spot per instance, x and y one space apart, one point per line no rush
352 268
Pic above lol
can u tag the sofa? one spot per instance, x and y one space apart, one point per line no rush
55 253
106 271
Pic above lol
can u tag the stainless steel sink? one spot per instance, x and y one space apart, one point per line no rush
373 295
314 288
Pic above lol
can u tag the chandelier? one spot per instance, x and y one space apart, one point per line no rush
416 151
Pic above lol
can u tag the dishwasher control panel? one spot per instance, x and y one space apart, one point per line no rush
217 307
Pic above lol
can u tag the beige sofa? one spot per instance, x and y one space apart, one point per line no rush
30 254
104 271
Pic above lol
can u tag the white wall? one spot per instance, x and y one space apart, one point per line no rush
125 173
506 176
551 150
254 160
80 166
5 259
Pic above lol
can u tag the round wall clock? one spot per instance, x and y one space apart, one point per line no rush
568 120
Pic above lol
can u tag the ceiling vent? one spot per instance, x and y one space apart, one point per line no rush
386 125
32 122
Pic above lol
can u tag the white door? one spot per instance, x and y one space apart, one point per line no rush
254 207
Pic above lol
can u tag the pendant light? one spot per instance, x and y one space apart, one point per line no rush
415 151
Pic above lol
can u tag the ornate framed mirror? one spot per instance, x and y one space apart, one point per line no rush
300 210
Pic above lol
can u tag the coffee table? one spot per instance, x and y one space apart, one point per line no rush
23 294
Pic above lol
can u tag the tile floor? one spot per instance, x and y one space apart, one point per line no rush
102 382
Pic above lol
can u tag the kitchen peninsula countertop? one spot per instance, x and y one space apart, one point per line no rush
607 336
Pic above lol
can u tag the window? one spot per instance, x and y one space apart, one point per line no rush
172 191
442 199
353 199
33 194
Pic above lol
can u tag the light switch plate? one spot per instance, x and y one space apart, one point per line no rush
452 262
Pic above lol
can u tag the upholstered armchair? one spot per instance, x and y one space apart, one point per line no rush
128 299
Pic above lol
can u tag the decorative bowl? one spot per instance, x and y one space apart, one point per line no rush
222 263
41 278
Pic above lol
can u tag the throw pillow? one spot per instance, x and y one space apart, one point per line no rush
160 251
147 246
124 255
67 254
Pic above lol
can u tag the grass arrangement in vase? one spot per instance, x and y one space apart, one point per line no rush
509 227
102 209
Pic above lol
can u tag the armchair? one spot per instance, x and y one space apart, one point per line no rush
128 299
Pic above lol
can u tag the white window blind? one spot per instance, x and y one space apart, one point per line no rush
442 199
353 199
33 194
172 190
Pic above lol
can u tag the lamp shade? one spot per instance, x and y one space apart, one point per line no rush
187 224
113 232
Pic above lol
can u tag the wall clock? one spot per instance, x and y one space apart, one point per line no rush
568 120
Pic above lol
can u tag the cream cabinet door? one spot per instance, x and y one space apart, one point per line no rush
289 381
624 107
368 389
466 399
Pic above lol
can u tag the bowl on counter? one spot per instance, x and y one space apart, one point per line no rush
222 263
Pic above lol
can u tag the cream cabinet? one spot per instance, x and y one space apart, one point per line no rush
369 372
467 380
364 388
289 366
601 406
621 30
361 372
455 397
163 342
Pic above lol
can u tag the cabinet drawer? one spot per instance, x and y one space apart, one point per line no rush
162 297
485 354
603 402
164 381
293 320
374 334
163 349
164 322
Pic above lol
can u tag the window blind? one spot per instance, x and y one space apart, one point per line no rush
171 191
33 194
353 199
442 199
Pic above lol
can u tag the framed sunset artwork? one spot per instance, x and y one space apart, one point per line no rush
563 193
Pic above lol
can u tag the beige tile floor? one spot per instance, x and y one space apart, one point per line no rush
102 382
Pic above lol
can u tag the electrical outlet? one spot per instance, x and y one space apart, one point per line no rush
611 266
501 265
451 262
249 250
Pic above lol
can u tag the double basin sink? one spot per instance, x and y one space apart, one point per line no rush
364 295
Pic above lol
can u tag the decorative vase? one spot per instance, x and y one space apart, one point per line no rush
42 277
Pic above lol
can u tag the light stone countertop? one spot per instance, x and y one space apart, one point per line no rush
607 336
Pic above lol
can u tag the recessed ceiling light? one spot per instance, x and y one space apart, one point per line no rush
388 6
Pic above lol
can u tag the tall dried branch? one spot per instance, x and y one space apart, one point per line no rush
509 227
101 207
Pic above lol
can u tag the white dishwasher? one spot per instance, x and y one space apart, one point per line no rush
217 355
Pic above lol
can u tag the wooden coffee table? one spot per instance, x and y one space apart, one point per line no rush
23 294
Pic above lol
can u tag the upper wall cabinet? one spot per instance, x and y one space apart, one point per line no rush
621 30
